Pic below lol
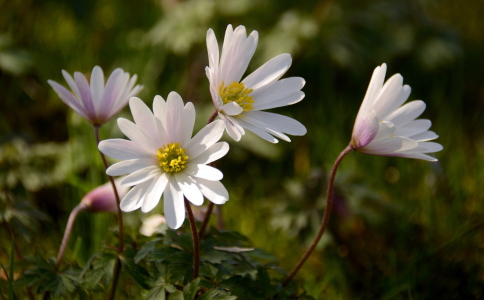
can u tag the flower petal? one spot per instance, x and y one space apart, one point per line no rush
407 113
141 175
424 136
134 198
68 98
268 72
203 171
232 109
365 130
275 122
137 135
130 166
123 149
204 139
234 130
280 93
188 121
213 190
258 131
97 86
212 154
189 188
389 145
173 119
413 128
144 119
385 130
154 192
174 206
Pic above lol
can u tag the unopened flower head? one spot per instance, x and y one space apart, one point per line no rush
239 103
97 102
161 157
385 127
102 199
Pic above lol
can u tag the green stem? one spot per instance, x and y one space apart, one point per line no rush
324 223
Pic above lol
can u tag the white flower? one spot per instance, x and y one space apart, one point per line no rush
96 102
240 103
162 157
384 127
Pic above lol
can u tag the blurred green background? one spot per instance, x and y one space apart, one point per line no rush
401 228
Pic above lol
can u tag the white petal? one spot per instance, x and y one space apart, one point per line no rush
280 93
233 128
424 136
260 132
174 114
174 205
269 72
205 138
415 155
203 171
97 86
137 135
212 49
389 145
159 107
144 119
413 128
389 97
122 149
385 130
189 188
213 190
231 109
130 166
275 122
407 113
431 147
188 121
154 192
212 154
141 175
134 198
373 90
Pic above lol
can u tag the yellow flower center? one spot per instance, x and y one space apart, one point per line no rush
236 92
172 158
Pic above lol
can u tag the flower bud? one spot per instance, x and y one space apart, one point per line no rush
102 199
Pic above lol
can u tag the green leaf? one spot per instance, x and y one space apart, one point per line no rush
145 250
217 294
178 295
136 271
190 290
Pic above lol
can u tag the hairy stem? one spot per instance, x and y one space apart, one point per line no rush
67 233
324 223
196 245
120 249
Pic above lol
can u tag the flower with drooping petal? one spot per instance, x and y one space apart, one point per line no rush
240 103
162 157
97 102
384 126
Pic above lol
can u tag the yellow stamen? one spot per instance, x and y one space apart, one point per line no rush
172 158
237 92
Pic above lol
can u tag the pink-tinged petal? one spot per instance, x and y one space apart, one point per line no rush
86 97
154 192
385 129
212 154
68 98
203 171
204 139
365 130
269 72
407 113
232 109
413 128
144 119
102 199
123 149
135 197
130 166
110 93
188 118
424 136
137 135
260 132
174 205
141 175
389 145
97 86
72 84
213 190
189 188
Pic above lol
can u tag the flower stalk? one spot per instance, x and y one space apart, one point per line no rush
324 222
196 244
67 233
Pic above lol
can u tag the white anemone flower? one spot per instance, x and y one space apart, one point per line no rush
239 103
386 127
162 157
97 102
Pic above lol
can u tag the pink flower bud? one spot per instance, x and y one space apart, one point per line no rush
102 199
